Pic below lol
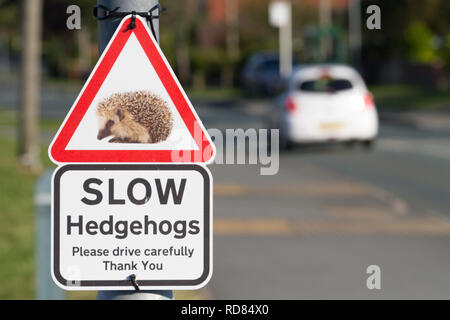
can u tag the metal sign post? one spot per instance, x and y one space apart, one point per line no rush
280 16
46 289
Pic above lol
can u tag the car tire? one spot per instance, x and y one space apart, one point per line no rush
350 144
285 143
368 144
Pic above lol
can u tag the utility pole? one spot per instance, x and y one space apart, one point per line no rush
30 84
355 39
286 44
106 29
232 19
280 16
325 22
186 15
232 39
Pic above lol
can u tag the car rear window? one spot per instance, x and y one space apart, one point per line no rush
326 85
269 65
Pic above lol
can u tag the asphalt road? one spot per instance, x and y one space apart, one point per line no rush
312 230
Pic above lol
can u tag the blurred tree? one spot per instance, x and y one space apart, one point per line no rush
10 30
232 41
9 14
30 84
411 30
196 42
419 39
69 52
177 31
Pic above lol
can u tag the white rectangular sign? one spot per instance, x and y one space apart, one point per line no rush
279 13
112 223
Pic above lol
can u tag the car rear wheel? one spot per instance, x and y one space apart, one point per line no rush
368 144
350 144
285 143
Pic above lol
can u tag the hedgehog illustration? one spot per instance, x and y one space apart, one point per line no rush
134 117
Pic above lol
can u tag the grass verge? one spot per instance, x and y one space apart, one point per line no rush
17 266
215 94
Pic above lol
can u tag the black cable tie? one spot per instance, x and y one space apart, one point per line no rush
156 7
134 282
149 16
107 13
133 20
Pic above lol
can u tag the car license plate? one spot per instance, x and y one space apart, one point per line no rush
331 125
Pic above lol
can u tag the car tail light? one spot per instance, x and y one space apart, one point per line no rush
368 101
290 105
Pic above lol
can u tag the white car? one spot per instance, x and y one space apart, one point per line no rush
328 102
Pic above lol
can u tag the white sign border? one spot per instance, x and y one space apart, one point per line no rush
93 285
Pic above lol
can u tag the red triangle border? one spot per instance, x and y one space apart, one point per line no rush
57 150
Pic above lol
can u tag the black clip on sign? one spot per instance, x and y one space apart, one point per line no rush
102 13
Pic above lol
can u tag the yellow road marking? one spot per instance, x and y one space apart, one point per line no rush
231 226
359 213
286 227
341 189
317 190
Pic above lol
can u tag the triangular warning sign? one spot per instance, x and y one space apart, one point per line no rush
132 109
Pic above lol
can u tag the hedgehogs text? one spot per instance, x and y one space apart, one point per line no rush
120 229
